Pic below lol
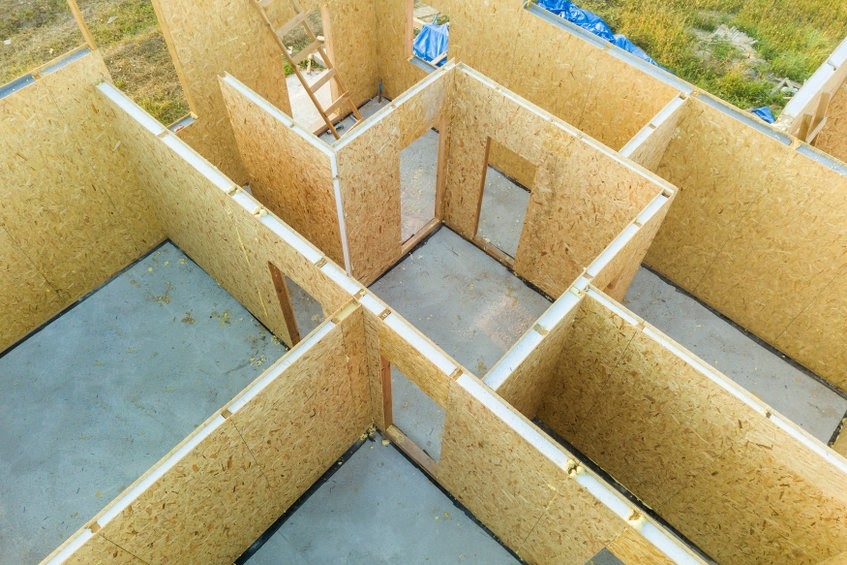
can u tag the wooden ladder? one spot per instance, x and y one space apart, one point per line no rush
294 59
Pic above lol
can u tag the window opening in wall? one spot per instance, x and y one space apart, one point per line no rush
302 312
502 208
418 184
428 33
128 35
415 414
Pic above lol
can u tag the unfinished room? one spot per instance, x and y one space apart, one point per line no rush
366 306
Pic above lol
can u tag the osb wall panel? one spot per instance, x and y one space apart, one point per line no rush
308 417
757 231
530 381
525 499
207 509
582 198
615 278
287 173
649 154
833 136
512 165
393 52
72 213
840 445
228 242
724 476
369 171
631 547
417 368
207 39
596 92
100 551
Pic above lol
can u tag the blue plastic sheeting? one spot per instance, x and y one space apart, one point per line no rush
765 113
595 24
431 42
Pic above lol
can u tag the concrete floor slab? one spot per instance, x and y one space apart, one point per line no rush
95 398
418 168
801 398
503 211
379 508
462 299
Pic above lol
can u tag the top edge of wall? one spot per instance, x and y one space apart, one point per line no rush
47 68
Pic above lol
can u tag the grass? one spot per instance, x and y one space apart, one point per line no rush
126 31
792 40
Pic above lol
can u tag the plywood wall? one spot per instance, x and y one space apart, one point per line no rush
833 136
583 194
210 505
207 39
717 470
289 173
72 212
757 232
585 86
369 174
221 227
394 47
528 501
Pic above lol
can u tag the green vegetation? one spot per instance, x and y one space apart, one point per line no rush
35 31
792 39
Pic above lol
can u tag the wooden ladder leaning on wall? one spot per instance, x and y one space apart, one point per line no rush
294 59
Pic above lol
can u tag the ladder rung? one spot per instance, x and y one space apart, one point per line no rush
291 24
337 104
305 52
325 78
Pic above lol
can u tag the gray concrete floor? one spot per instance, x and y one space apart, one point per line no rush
95 398
418 168
378 508
366 110
503 211
468 304
307 310
790 391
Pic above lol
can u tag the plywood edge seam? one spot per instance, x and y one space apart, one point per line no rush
832 458
575 470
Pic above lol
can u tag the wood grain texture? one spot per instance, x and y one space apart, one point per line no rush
833 136
650 152
208 508
722 474
757 232
304 420
72 213
207 39
554 69
393 52
414 366
369 171
526 500
631 548
100 551
840 444
287 173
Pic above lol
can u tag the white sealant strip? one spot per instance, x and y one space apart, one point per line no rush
644 133
199 163
608 255
526 430
121 100
339 209
292 238
276 113
503 369
339 277
421 344
68 551
653 208
607 495
372 303
564 305
792 429
839 56
122 503
274 372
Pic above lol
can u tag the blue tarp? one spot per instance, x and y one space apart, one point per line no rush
431 42
593 23
765 113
